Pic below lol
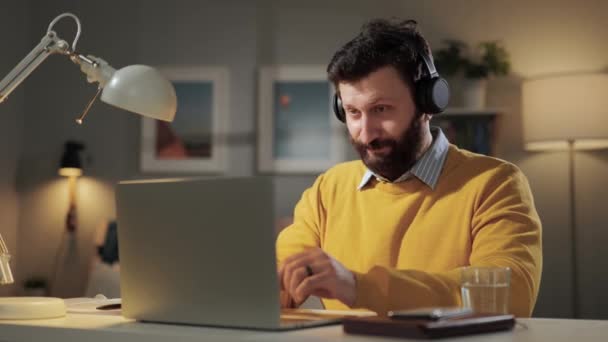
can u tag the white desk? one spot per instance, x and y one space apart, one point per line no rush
94 328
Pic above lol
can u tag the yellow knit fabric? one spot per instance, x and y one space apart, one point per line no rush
406 242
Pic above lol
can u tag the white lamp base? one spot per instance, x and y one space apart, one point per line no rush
14 308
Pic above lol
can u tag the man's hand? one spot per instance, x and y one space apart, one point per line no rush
316 273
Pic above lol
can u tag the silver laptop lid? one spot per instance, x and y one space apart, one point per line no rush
198 251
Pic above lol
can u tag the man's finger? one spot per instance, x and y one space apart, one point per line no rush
316 268
296 279
293 279
286 300
293 268
319 281
280 274
307 252
301 260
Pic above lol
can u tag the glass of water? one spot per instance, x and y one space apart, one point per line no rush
486 289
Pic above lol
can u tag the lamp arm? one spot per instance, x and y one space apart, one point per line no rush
96 69
49 44
155 99
6 276
78 27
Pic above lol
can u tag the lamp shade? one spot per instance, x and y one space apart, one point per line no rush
71 165
143 90
566 108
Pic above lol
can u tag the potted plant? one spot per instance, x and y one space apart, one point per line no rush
489 59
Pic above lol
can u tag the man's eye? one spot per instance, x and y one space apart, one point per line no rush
381 109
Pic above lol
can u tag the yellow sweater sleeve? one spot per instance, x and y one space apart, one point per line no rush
305 231
505 230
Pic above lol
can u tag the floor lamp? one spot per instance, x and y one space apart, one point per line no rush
567 113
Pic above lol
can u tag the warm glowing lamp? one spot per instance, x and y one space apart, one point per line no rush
567 113
71 167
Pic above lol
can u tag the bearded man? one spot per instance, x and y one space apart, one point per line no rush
393 230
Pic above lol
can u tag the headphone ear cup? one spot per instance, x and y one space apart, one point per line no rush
338 109
421 95
432 95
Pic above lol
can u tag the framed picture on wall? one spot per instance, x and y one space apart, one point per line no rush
194 141
297 131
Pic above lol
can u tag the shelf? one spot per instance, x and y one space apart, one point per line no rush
471 129
462 111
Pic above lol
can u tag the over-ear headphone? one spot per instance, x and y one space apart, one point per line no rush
431 92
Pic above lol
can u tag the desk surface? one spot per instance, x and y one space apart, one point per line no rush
109 328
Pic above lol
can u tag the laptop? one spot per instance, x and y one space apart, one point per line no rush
202 252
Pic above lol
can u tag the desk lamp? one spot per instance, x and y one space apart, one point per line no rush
136 88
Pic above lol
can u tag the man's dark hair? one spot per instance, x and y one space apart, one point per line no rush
381 43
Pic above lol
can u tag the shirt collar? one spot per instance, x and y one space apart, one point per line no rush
427 168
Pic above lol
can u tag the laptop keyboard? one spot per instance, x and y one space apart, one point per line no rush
302 320
292 316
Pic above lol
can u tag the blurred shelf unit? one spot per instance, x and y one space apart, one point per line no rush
471 129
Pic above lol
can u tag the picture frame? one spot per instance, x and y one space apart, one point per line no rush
297 130
195 141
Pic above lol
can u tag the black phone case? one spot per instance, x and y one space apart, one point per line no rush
465 325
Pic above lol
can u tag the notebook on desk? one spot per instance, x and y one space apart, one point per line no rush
201 251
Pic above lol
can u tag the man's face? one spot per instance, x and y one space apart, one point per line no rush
382 121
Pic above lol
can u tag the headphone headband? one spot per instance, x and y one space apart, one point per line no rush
430 65
431 93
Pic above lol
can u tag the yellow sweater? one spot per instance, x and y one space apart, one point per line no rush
406 242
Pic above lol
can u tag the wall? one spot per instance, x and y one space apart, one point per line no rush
58 93
14 15
542 37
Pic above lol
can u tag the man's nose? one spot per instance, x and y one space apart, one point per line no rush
369 129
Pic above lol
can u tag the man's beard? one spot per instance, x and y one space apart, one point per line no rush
400 158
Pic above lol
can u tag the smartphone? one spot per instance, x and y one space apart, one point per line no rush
430 314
